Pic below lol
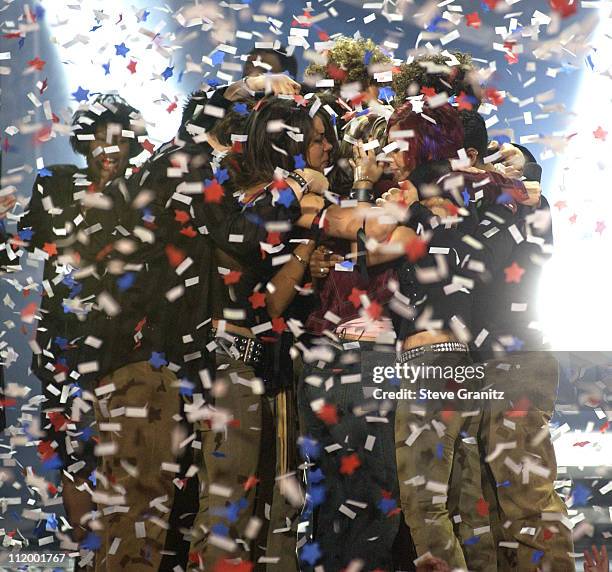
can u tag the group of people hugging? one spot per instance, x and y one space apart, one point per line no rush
212 317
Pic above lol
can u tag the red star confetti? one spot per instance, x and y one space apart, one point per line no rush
374 310
560 205
473 20
355 297
181 216
250 483
328 414
428 91
231 566
520 409
416 249
132 66
600 133
494 96
514 273
232 277
573 218
336 73
273 238
482 507
257 300
278 325
565 8
349 464
50 248
175 255
463 102
148 146
189 232
213 193
36 64
29 312
511 58
600 226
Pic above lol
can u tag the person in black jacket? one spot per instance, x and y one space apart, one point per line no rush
65 227
508 340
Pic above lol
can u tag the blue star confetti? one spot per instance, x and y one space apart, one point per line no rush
168 73
311 553
158 360
80 94
91 542
221 175
286 198
121 49
299 161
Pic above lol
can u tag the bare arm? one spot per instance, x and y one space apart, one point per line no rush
287 278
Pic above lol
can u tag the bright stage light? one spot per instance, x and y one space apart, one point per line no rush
84 50
574 301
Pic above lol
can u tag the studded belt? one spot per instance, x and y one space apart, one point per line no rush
241 348
440 347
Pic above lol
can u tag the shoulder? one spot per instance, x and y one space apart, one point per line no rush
58 180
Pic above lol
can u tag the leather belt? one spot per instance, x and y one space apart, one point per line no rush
432 348
241 348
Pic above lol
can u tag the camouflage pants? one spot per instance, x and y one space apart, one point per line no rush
135 411
242 514
518 477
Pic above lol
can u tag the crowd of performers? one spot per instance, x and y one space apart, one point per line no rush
224 326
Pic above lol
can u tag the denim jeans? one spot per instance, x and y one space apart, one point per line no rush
352 504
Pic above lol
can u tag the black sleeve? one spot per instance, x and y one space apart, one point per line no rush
239 230
439 286
205 120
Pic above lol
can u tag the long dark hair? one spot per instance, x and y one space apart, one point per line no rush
268 145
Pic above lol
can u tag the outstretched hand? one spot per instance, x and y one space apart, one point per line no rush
6 204
277 83
365 164
511 162
598 562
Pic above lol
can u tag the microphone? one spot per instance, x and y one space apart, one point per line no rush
532 172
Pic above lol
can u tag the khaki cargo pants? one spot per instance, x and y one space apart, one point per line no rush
243 515
136 409
519 468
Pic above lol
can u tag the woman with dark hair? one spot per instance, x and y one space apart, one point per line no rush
67 223
249 337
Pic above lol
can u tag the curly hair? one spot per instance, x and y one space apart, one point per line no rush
349 61
432 71
431 141
105 109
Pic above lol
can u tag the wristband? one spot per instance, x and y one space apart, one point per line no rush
298 179
362 195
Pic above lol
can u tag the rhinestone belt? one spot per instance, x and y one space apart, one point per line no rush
432 348
241 348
